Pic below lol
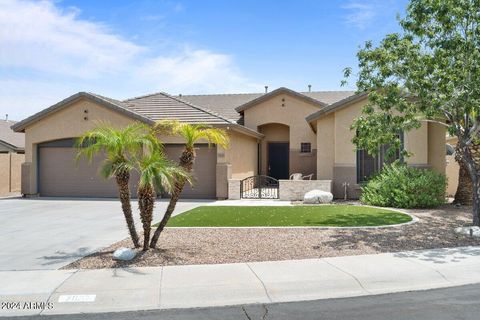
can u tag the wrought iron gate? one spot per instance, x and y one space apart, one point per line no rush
259 187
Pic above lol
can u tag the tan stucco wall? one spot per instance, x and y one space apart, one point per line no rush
451 172
10 173
325 147
241 155
267 118
415 141
292 114
436 147
4 174
452 169
345 154
16 172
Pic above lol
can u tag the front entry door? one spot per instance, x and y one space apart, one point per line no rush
278 153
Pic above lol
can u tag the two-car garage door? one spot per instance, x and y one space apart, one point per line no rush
59 175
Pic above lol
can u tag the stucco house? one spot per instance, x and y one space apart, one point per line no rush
276 134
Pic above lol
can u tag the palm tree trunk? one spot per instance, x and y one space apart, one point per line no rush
476 202
464 193
124 194
470 158
186 162
168 213
146 202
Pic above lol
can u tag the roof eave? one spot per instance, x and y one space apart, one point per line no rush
242 129
11 146
21 125
335 107
266 96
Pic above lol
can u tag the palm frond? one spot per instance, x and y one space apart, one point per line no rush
193 133
120 146
158 172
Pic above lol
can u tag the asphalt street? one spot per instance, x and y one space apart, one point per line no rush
440 304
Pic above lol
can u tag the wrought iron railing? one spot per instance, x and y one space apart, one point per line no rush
259 187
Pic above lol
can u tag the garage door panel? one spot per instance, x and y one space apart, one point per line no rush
61 176
204 171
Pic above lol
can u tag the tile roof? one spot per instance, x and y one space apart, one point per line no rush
160 106
225 104
336 106
215 109
7 135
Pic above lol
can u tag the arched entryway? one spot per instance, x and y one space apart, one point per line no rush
275 150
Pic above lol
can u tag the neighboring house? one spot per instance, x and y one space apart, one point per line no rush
12 149
276 134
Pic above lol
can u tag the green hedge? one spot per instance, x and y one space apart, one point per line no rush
401 186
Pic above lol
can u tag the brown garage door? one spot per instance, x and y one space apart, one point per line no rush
204 171
60 176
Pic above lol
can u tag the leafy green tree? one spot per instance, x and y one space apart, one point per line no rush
119 146
428 72
156 173
191 134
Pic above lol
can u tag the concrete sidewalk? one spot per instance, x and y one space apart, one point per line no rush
107 290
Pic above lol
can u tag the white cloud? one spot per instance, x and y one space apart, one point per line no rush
361 13
40 36
195 71
52 51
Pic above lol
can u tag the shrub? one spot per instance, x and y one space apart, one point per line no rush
401 186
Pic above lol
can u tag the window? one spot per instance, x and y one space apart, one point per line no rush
368 165
305 147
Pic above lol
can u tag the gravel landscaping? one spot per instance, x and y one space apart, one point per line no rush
181 246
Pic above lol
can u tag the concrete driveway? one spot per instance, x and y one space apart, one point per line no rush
49 233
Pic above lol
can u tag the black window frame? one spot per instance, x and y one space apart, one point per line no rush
308 146
378 161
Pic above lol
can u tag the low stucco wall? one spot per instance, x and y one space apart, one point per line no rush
295 189
10 173
289 190
234 189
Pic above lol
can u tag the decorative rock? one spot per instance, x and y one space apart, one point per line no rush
317 196
124 254
475 231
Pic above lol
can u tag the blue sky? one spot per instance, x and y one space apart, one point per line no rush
52 49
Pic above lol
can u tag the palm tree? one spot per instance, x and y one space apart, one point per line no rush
119 146
463 195
191 133
156 173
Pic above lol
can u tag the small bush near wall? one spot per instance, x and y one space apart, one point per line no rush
401 186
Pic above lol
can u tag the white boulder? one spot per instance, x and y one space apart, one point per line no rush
475 231
124 254
317 196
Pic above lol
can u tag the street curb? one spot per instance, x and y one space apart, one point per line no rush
197 286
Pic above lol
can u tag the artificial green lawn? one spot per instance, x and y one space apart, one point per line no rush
287 216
